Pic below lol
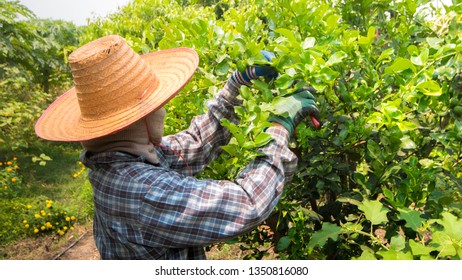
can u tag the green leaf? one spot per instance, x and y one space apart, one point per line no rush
289 34
419 249
397 243
406 126
231 149
431 88
262 139
328 74
448 241
407 143
375 212
399 65
370 37
412 218
332 22
375 152
308 43
397 250
328 231
443 243
385 56
452 225
336 58
367 254
284 81
434 43
284 243
420 59
394 255
235 131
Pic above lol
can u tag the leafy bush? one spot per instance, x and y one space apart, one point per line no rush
33 70
45 216
9 178
381 178
11 228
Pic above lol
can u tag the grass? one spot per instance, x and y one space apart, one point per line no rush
56 181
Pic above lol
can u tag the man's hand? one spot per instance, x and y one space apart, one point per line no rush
254 71
295 108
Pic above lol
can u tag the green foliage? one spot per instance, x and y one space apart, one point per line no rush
41 159
9 178
11 228
33 70
381 178
45 216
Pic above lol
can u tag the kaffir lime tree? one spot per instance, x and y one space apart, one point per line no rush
381 178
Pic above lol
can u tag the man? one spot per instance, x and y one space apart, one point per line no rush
147 203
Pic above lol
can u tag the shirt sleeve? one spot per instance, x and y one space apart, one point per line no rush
197 146
181 211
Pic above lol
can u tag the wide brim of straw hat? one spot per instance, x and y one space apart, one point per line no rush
62 120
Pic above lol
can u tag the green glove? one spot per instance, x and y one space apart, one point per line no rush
293 109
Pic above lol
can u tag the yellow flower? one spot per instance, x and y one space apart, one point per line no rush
16 167
68 219
9 169
73 218
37 215
24 222
36 230
64 228
60 232
43 228
5 187
72 228
29 206
9 163
13 180
15 158
26 225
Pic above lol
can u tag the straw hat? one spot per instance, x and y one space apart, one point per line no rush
114 87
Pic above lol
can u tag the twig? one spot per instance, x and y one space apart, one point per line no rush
70 246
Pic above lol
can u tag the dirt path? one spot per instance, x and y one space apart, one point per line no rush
80 245
83 249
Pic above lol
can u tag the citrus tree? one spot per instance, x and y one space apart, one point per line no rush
380 179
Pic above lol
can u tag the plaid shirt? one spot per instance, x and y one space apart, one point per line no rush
146 211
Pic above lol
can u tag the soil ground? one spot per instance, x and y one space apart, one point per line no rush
80 245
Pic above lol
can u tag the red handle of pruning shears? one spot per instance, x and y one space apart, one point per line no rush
315 122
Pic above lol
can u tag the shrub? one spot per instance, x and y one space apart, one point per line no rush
45 216
10 180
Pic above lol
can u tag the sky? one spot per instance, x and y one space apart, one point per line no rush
76 11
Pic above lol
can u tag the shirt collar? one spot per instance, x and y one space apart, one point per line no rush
92 160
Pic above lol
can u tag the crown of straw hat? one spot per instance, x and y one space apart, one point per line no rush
113 88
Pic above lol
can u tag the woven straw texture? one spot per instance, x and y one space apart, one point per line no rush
113 88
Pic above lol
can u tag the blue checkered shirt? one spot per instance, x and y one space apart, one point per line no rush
146 211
